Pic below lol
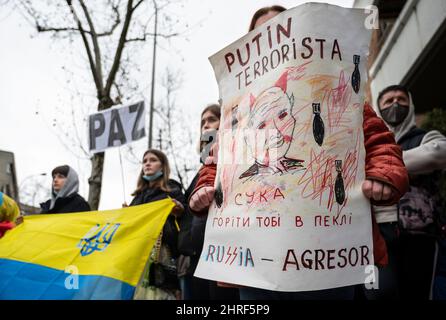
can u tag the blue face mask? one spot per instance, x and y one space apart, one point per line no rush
153 177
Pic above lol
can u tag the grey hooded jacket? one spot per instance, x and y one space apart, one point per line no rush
67 199
428 157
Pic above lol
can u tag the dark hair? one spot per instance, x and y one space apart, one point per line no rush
163 182
263 11
395 87
215 109
63 170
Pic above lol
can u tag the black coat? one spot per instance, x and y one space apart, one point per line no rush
170 231
191 236
72 203
150 195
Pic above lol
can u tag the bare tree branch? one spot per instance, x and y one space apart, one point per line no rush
120 48
41 28
144 38
112 66
93 69
115 8
118 99
45 28
137 5
76 130
177 146
94 38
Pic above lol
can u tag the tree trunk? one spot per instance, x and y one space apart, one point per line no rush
95 180
97 166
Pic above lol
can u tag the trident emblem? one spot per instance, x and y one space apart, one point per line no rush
97 239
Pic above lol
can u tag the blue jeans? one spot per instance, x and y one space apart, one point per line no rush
343 293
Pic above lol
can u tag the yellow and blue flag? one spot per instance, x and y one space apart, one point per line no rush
88 255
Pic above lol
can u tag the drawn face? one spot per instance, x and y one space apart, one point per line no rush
58 181
273 125
151 164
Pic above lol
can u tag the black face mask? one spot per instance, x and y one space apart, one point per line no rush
396 114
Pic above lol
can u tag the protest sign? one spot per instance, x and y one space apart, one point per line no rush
117 126
289 213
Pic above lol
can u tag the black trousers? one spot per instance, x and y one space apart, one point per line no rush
409 273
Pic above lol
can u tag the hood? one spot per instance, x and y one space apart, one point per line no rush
407 125
70 187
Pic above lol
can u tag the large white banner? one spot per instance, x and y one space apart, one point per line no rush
117 126
289 213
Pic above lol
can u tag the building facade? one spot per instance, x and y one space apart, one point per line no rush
8 177
8 182
409 48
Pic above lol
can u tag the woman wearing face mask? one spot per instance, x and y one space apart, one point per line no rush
154 184
386 182
191 236
64 193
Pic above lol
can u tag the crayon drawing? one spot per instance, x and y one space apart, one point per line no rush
289 209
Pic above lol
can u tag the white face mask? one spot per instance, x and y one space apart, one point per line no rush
153 177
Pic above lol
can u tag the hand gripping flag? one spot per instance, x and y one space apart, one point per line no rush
88 255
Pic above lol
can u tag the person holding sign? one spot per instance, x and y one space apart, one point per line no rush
385 181
160 282
64 193
191 236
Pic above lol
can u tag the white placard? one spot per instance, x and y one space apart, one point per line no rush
289 213
116 127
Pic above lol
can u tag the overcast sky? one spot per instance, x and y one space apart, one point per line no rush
33 84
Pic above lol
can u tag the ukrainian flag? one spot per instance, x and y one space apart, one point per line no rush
88 255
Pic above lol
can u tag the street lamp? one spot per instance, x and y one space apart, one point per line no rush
152 94
28 178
